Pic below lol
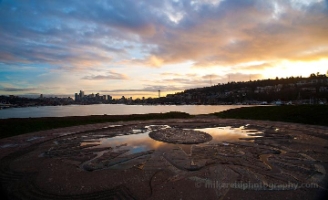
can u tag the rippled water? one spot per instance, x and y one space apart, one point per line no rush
108 109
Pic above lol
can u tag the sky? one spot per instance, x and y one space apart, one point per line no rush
135 48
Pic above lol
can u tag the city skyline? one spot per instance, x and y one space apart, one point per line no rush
136 48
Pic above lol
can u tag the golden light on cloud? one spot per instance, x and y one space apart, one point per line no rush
155 61
126 48
296 68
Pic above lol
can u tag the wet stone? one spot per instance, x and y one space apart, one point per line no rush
180 136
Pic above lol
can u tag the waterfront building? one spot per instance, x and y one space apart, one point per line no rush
77 97
81 94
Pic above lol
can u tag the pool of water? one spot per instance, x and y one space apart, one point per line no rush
140 141
230 134
120 147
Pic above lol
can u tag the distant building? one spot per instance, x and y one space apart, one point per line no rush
92 98
97 96
81 94
77 97
41 96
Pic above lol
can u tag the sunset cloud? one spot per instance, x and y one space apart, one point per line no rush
236 31
17 89
110 75
162 42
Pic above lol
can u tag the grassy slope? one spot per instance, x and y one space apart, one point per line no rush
12 127
306 114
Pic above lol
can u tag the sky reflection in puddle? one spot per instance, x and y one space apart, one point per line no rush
230 134
139 141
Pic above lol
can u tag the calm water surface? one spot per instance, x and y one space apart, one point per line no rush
141 142
108 109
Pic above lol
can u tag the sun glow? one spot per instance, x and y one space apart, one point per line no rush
287 69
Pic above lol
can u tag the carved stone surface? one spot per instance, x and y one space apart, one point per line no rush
180 136
105 161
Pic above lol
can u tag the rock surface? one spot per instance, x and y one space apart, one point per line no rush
180 136
288 161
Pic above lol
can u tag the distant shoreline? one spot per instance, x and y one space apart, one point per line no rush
109 109
9 106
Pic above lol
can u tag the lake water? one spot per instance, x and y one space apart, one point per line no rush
109 109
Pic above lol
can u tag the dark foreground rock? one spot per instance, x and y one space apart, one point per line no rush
284 161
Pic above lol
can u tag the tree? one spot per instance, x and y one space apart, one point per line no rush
313 75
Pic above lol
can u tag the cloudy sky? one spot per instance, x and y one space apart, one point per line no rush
134 48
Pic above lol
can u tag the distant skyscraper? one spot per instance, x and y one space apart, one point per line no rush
91 97
81 94
77 97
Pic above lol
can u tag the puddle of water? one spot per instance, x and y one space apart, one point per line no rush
134 142
225 134
86 143
139 141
